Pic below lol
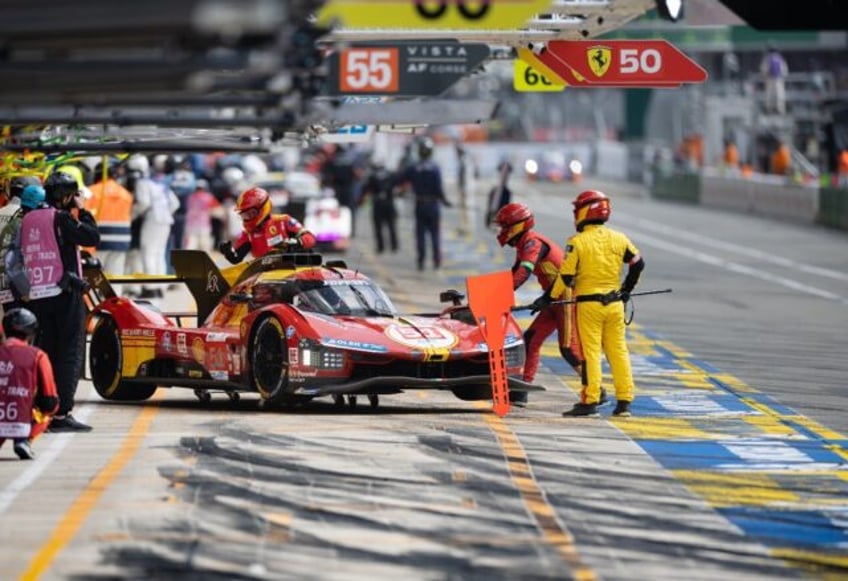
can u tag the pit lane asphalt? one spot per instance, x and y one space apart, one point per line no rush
427 486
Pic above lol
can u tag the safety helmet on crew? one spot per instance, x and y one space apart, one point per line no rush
514 219
591 207
60 185
425 148
20 323
253 205
18 184
32 197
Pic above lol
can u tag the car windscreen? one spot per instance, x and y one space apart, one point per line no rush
357 298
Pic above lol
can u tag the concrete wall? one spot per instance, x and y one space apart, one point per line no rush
768 196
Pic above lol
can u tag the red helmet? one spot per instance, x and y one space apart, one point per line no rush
253 205
591 207
514 219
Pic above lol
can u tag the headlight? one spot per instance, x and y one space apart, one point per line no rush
322 358
576 167
515 355
531 167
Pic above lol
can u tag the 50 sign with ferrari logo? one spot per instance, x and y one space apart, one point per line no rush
369 70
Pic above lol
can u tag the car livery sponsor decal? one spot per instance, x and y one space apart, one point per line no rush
216 337
293 358
181 344
166 341
198 350
509 341
290 331
137 332
421 337
358 345
219 375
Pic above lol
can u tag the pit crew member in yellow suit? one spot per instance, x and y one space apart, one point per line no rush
593 264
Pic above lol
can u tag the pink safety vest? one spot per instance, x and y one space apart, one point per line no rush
18 376
40 249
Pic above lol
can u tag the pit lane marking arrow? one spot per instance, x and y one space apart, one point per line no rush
431 14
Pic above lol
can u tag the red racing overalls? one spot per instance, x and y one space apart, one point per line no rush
537 254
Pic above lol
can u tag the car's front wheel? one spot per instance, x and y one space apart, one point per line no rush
105 361
269 359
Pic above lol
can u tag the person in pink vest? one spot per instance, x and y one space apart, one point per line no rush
28 396
50 284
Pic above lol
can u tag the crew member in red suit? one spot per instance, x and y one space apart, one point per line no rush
264 231
28 397
537 254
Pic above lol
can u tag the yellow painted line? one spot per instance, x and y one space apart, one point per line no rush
85 502
743 489
654 428
815 561
535 500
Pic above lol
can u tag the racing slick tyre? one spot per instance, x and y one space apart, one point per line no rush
269 360
105 361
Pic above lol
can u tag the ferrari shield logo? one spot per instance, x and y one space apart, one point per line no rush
599 58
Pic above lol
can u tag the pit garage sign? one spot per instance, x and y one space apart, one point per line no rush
616 63
401 68
431 14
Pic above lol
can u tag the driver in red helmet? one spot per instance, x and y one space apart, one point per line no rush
593 264
537 254
264 231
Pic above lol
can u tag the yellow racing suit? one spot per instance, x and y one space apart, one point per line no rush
594 259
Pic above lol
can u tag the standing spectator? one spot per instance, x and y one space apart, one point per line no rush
183 183
202 206
842 169
537 254
27 384
781 159
111 205
53 286
774 69
465 182
380 187
730 154
157 204
594 258
340 172
425 178
500 195
31 198
264 231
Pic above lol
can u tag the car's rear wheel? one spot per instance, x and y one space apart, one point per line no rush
105 361
269 359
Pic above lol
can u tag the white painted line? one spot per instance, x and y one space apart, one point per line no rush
676 248
664 229
41 462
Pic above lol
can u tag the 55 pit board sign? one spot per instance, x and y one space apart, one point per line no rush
402 68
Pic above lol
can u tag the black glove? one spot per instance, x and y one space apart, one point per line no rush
540 304
624 295
292 244
225 248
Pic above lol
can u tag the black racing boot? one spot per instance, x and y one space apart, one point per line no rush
586 410
622 409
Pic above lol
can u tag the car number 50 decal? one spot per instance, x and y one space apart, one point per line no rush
422 337
369 70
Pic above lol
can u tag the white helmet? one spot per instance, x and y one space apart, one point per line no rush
139 163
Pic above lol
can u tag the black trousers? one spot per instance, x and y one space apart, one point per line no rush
61 333
385 218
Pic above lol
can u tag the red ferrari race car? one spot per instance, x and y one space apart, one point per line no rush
291 328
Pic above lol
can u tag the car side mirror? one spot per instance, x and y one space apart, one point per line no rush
451 296
241 297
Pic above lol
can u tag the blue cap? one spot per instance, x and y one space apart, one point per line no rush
32 197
